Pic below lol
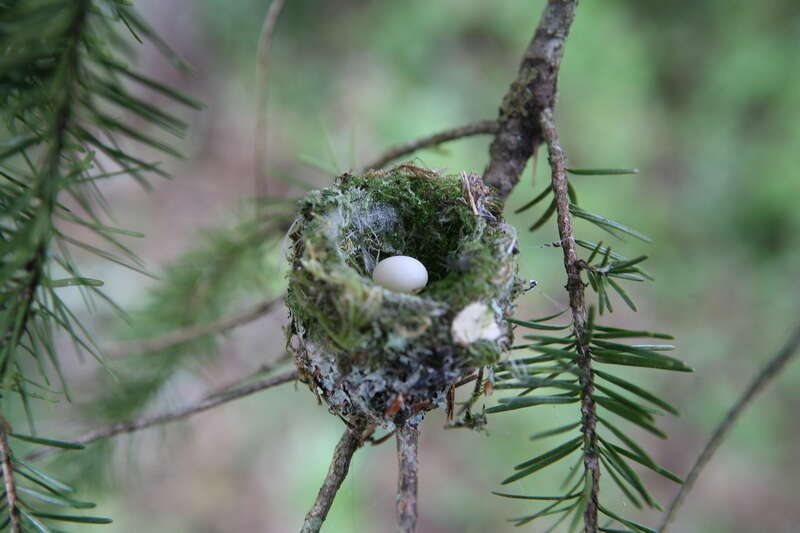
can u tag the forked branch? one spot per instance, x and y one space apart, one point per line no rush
533 91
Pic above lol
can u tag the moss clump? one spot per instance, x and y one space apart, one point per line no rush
374 354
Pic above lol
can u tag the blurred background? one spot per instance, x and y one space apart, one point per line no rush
702 97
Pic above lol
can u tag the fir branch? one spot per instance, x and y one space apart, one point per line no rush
407 447
262 67
8 479
533 91
194 297
210 401
483 127
193 332
21 499
60 91
771 370
575 288
47 186
351 441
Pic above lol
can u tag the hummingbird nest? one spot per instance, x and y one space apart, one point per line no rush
385 357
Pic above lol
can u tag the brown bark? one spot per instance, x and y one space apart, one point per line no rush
407 445
575 288
533 91
8 479
348 444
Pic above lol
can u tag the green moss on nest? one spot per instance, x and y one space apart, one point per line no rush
361 346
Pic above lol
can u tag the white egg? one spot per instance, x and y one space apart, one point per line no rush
401 273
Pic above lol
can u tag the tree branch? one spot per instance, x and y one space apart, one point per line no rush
350 442
469 130
407 441
209 402
180 336
264 42
10 487
577 304
533 91
46 187
261 370
767 374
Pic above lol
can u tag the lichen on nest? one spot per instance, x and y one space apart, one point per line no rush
384 357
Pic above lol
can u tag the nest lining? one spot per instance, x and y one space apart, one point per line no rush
362 347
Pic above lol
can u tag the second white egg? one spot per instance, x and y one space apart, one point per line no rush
401 273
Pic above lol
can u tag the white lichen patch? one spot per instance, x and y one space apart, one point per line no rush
474 323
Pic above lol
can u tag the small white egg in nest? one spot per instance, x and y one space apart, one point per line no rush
401 273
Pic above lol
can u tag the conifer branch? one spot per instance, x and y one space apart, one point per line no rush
533 91
193 332
61 113
407 446
340 464
8 479
575 288
264 45
47 187
772 369
209 402
483 127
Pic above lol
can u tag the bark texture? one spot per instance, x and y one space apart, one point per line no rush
577 303
468 130
533 91
9 484
407 440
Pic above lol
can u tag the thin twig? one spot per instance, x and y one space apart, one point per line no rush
260 371
190 333
407 444
533 91
8 479
211 401
484 127
477 392
47 186
767 374
467 379
381 440
577 304
262 67
350 442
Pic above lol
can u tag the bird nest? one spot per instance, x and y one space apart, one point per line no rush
385 357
